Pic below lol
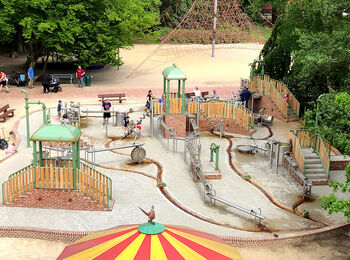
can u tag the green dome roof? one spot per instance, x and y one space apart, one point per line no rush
173 73
56 133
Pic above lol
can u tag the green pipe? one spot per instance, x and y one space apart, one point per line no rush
34 162
167 106
74 165
27 113
40 154
183 107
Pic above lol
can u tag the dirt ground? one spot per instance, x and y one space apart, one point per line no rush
332 249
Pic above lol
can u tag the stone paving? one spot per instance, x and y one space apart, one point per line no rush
131 190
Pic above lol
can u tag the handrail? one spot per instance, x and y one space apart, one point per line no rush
17 172
93 195
325 161
110 180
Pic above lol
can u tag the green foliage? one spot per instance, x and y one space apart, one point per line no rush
309 48
90 31
334 204
172 11
333 120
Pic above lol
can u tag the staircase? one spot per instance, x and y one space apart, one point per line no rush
291 114
314 169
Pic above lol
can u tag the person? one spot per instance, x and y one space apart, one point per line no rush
260 117
80 76
126 121
213 95
149 98
59 108
46 83
65 119
197 93
245 95
31 77
106 106
286 97
3 81
11 149
138 133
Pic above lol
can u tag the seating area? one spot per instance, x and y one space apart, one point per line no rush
70 77
5 112
204 94
112 97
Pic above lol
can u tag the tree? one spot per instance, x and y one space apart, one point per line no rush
333 120
334 204
309 48
89 31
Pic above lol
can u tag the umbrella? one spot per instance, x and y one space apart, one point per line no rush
150 241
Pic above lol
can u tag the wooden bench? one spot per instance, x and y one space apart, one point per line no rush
6 112
204 94
63 76
112 97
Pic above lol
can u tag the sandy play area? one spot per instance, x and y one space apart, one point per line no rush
222 73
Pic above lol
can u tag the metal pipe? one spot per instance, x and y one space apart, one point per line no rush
152 118
250 212
277 157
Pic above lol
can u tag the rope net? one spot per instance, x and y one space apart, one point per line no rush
195 31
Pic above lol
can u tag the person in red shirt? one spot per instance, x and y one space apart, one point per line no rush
3 81
80 76
286 98
138 133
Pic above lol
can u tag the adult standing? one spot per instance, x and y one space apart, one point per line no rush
3 81
149 98
106 107
30 73
80 76
46 83
245 95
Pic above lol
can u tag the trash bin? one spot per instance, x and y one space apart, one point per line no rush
119 121
88 80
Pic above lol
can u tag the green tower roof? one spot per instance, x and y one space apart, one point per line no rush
57 133
173 73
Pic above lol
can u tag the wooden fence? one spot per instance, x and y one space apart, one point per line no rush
298 154
89 181
323 148
212 109
276 90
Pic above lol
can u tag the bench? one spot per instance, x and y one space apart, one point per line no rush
204 94
112 97
6 112
63 76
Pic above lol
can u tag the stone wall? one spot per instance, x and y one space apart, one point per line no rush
339 163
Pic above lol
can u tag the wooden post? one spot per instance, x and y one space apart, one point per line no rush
74 154
41 153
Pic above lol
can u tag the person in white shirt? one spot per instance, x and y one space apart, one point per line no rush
197 93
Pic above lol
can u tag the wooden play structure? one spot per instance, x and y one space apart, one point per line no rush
56 173
177 103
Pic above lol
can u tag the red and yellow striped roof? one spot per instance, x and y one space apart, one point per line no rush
126 242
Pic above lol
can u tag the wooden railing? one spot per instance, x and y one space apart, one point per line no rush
308 139
18 184
212 109
276 91
87 180
298 154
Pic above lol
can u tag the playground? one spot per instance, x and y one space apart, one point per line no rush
187 163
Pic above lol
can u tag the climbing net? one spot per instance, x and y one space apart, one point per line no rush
196 31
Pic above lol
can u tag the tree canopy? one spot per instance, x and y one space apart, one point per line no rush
309 48
89 30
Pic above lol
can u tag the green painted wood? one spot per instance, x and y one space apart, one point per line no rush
151 228
56 133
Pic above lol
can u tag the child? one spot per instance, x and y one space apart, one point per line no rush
126 121
138 133
65 119
59 109
286 98
11 149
